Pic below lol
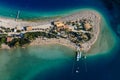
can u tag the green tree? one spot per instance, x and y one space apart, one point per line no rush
3 40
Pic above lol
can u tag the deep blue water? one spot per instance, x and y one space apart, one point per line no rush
48 5
99 68
43 8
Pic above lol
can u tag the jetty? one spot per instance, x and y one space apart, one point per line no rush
17 16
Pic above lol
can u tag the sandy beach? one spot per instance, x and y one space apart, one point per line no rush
4 46
12 23
61 41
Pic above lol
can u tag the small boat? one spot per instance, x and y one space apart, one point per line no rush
77 71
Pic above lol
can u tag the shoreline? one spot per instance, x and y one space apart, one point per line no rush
89 14
54 41
106 40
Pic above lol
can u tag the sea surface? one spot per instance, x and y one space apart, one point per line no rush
46 8
56 62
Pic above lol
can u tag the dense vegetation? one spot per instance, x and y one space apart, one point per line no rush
28 37
33 35
18 42
2 38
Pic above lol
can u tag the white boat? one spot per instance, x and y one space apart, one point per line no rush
79 55
77 71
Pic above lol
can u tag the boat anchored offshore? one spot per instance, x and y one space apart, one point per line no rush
77 70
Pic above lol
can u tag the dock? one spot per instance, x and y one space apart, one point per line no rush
78 53
17 16
80 62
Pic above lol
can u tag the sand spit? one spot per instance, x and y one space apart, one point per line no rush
85 14
95 17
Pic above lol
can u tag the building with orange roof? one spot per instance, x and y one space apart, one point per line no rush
87 26
28 28
60 26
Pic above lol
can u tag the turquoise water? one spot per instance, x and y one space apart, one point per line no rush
56 62
30 9
24 64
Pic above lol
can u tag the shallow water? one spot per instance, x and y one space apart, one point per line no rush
56 62
20 64
51 63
